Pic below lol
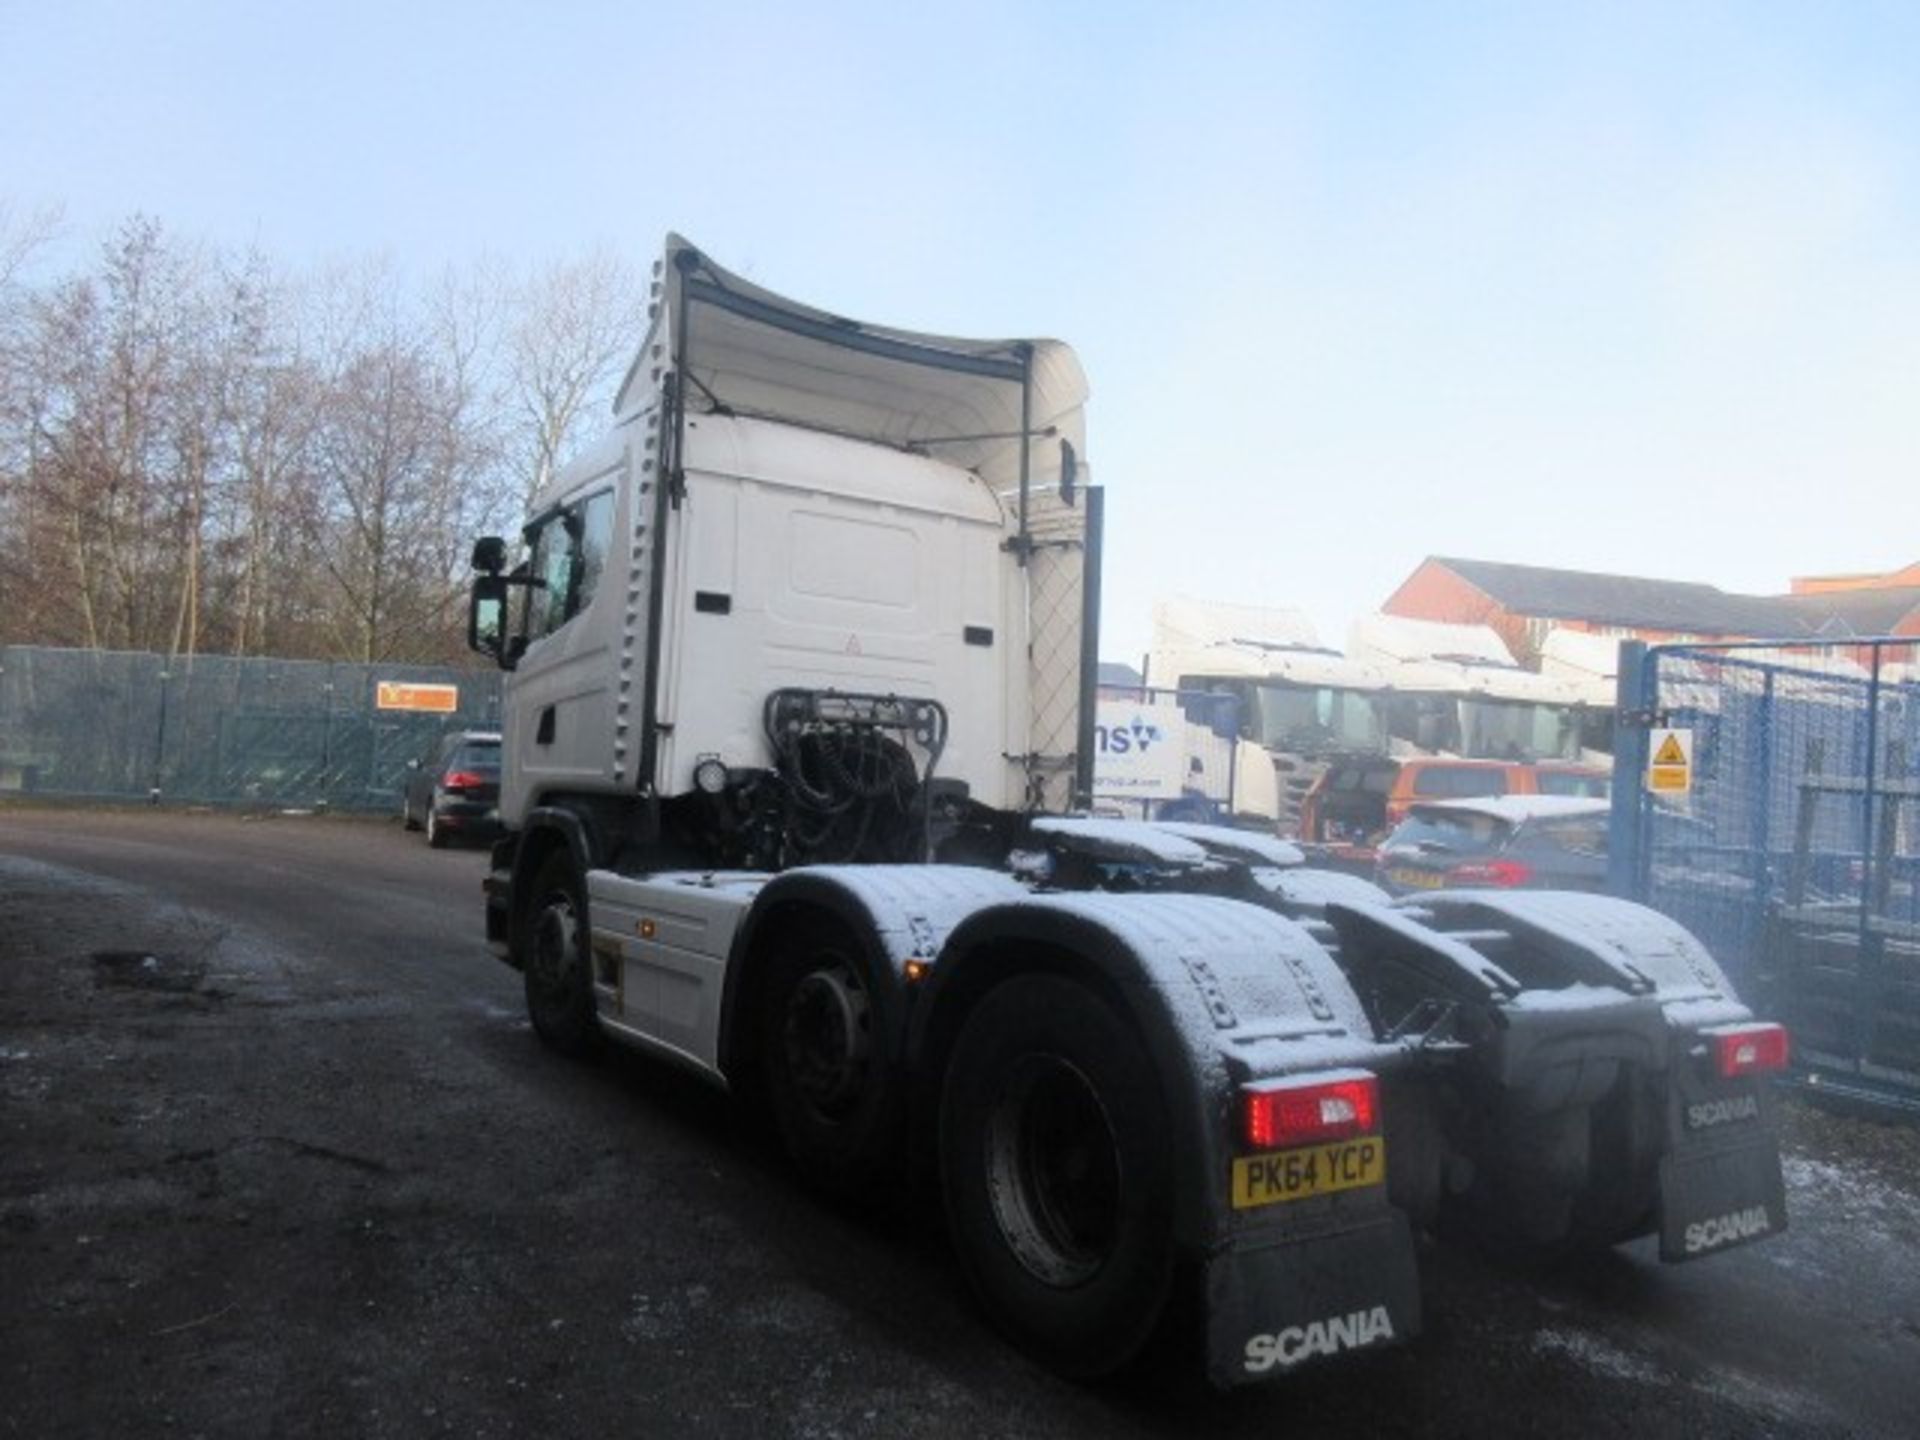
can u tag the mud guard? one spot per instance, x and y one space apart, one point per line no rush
1278 1304
1720 1179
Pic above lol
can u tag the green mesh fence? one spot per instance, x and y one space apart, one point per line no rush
87 724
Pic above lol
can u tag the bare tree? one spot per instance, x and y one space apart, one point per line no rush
22 238
575 326
200 453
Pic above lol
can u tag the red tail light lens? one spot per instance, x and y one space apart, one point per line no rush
1278 1113
463 780
1502 874
1748 1049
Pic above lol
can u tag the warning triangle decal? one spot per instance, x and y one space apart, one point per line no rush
1670 752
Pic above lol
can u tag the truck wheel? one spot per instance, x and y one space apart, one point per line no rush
558 960
832 1094
436 832
1053 1161
406 814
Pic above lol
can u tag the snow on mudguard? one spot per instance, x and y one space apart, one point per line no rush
1278 1304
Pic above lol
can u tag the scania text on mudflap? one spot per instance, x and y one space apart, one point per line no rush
796 761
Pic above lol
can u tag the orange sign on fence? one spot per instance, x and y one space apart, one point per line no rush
434 699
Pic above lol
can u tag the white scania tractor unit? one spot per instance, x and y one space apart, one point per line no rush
801 666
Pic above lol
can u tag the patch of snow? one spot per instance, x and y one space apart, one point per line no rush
1600 1357
1251 844
1764 1396
1573 997
1821 1191
1136 837
666 1317
1315 889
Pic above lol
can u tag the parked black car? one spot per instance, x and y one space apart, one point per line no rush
1534 842
457 792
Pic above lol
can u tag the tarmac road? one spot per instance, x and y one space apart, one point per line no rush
279 1155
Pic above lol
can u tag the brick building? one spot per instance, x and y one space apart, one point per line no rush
1524 602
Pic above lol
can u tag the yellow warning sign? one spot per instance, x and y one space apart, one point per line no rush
1670 762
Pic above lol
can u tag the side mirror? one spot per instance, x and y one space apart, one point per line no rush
413 764
487 618
489 555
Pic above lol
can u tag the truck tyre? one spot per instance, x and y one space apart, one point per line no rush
407 821
833 1096
436 832
559 974
1054 1165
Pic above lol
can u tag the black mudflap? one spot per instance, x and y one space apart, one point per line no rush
1275 1308
1720 1181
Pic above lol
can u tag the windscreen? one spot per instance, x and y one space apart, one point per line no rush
476 755
1456 832
1314 719
1518 730
1574 783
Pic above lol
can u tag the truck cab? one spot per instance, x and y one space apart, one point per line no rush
1300 705
1458 691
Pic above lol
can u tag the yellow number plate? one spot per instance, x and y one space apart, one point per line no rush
1301 1174
1416 879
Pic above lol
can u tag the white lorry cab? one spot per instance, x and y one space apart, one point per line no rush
1457 690
796 752
1298 704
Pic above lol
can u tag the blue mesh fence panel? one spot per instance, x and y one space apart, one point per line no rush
223 731
82 723
1795 853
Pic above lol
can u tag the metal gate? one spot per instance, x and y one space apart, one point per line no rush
1787 837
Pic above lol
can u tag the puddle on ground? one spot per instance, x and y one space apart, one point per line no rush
146 970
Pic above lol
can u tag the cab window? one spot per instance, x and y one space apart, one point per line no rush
568 554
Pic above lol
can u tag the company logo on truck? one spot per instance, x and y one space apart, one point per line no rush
1326 1337
1727 1229
1136 754
1709 1113
1138 734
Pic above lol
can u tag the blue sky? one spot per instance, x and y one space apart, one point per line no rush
1618 287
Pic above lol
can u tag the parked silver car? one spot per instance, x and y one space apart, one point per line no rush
1505 842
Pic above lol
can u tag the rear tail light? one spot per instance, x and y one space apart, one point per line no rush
463 780
1747 1049
1275 1114
1502 874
